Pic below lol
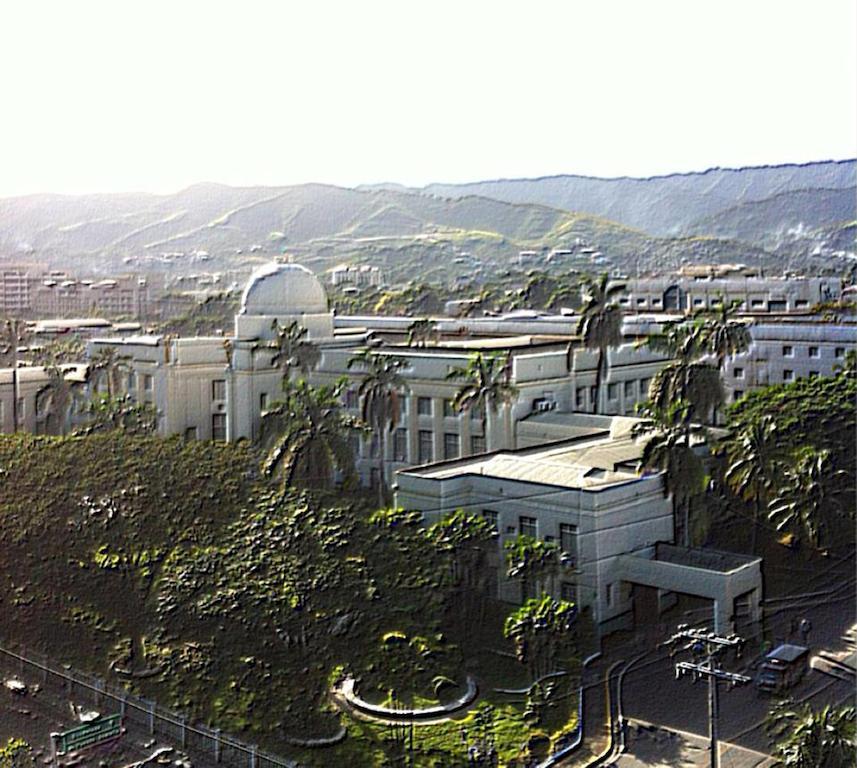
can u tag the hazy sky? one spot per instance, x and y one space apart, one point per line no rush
149 95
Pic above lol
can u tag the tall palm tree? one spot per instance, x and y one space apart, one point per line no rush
108 365
751 466
306 434
57 399
485 387
15 333
809 497
669 451
292 349
807 738
380 393
600 324
722 335
421 332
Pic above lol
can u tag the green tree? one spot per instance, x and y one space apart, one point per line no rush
16 753
669 450
107 366
752 466
122 413
600 325
541 629
534 562
306 434
381 390
486 388
291 348
58 398
808 738
422 332
722 335
810 496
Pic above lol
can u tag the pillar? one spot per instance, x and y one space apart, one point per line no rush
723 619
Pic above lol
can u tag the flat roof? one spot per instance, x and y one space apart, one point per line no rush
707 559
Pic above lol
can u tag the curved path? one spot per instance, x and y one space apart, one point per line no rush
346 693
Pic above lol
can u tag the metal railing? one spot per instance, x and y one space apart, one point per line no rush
146 714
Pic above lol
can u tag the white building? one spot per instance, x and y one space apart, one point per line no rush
360 276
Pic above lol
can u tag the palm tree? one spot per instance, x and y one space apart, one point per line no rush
669 451
57 399
108 365
15 334
380 394
292 349
751 466
600 324
486 387
421 332
807 738
306 434
809 496
722 335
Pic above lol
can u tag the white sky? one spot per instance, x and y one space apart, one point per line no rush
151 95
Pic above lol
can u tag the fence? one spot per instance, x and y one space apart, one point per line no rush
155 720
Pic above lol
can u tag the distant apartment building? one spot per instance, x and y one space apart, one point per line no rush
359 276
753 294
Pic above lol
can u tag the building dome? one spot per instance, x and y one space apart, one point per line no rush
283 290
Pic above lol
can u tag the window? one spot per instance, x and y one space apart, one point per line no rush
788 350
568 591
592 394
425 452
132 381
492 518
190 433
644 387
477 444
568 540
218 426
757 303
624 300
581 397
263 402
352 399
641 302
609 595
424 406
697 302
840 352
738 373
374 447
612 391
400 445
450 445
218 389
20 409
788 375
147 382
477 413
737 395
801 304
448 410
630 386
656 302
527 526
813 352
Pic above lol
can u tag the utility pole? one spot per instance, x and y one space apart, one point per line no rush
705 647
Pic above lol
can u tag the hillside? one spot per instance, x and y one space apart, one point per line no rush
662 205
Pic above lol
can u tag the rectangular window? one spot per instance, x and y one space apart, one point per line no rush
813 352
568 541
757 303
450 445
801 304
424 406
641 302
644 387
630 386
425 450
581 397
477 444
737 395
788 375
738 373
147 382
400 445
612 391
840 352
697 302
448 410
374 447
218 426
492 518
477 413
190 433
218 389
352 399
568 591
788 350
263 402
527 526
132 381
609 595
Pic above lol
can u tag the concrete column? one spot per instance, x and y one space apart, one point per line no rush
723 616
217 745
755 605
